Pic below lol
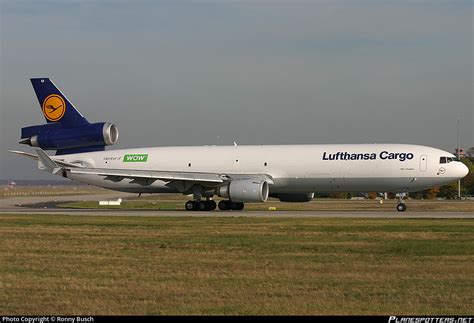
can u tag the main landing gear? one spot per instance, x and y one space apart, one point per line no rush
210 205
229 205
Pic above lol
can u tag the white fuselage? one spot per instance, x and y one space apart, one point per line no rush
293 168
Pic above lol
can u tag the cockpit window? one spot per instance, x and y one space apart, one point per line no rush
445 160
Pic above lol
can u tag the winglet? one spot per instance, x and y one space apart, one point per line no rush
46 163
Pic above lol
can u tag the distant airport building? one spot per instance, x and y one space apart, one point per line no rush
11 183
459 152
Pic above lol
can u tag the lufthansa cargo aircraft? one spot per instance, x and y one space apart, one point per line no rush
239 174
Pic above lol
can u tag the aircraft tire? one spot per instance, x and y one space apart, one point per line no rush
228 205
191 206
401 207
238 206
212 205
204 206
224 205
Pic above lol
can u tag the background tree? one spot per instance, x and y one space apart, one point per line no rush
431 193
338 195
467 183
449 191
372 195
470 152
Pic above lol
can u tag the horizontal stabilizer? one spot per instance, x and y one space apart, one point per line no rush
46 163
35 157
22 153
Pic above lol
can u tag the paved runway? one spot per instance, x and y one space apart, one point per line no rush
250 214
11 206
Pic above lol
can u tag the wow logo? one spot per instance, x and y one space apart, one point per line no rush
135 158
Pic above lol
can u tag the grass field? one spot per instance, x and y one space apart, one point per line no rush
150 265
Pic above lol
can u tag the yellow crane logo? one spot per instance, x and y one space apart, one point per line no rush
54 107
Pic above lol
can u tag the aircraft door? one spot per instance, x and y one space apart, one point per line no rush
423 163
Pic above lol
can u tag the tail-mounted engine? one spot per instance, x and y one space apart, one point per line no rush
54 136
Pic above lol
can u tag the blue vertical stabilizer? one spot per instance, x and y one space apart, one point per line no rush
55 106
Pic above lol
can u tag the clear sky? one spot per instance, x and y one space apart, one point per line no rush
255 72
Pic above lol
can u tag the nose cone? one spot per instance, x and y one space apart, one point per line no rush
462 170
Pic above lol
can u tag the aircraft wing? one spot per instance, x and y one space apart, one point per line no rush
46 163
150 174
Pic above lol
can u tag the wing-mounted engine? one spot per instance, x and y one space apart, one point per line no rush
249 190
54 136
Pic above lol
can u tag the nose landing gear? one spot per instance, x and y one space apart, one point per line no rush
401 207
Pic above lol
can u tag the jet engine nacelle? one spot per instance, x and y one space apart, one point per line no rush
294 197
245 191
53 136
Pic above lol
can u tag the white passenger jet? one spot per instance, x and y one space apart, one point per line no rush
239 174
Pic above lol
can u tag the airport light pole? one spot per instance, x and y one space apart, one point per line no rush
459 156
